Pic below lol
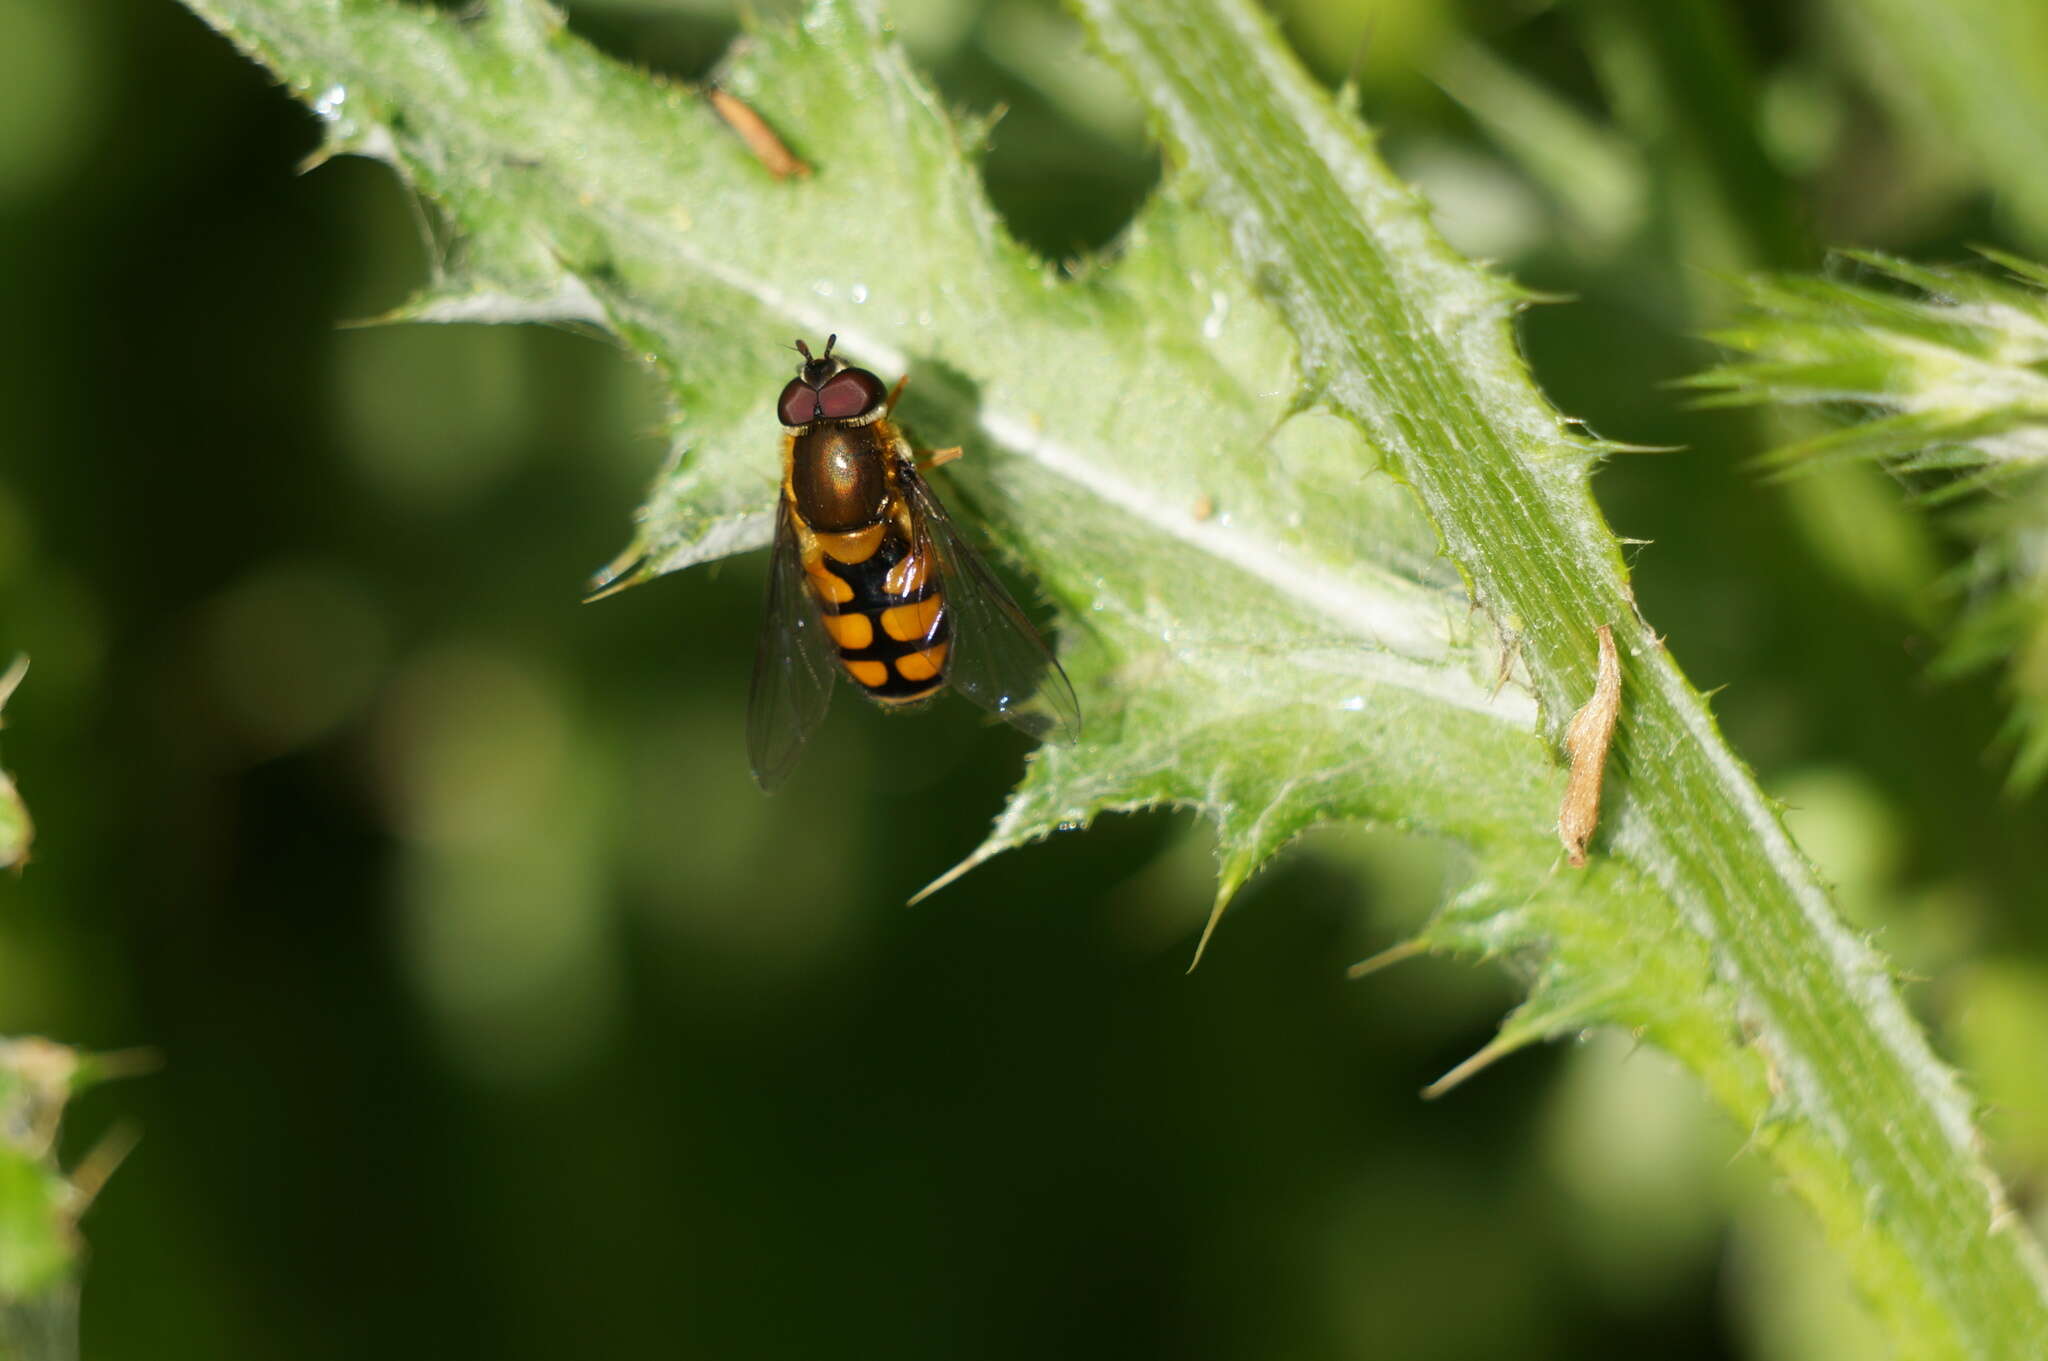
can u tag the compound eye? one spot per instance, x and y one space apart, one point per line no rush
798 404
849 393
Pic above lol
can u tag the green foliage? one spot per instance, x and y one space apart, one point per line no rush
16 831
1257 620
40 1202
1958 76
1385 316
1940 374
1228 457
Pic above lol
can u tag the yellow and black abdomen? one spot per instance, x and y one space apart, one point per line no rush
883 604
877 588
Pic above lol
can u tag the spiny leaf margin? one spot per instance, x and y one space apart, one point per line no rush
1258 621
1940 374
1353 628
1856 1104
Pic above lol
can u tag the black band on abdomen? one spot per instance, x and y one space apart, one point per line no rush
899 689
869 580
887 649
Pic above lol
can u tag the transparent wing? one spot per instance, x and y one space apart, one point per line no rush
793 666
997 659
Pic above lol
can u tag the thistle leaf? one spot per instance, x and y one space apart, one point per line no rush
1262 463
1255 614
1941 375
16 830
41 1200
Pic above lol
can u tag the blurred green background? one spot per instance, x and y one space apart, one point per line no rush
499 1015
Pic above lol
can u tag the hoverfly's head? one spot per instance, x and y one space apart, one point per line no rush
828 389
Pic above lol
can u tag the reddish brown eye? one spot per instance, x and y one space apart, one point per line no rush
849 393
798 404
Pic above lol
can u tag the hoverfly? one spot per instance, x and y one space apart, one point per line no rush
871 580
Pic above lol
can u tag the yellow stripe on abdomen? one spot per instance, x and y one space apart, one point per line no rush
912 623
929 664
851 631
869 674
855 546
